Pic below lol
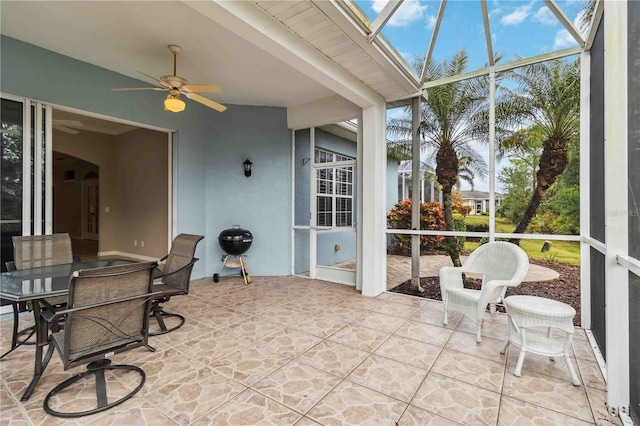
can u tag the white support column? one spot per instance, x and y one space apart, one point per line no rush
585 194
359 202
415 191
616 203
48 171
492 153
313 208
293 202
372 215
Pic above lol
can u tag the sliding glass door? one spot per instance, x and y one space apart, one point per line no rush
26 192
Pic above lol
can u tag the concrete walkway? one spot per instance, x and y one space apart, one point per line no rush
399 269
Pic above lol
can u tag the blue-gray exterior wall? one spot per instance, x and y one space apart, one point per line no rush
212 192
260 203
392 183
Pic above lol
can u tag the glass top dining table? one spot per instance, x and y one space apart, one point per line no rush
37 284
46 281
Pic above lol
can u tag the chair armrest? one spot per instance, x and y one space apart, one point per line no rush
487 293
162 274
60 314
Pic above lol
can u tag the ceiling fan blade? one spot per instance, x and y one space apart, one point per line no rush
205 101
208 88
66 129
126 89
72 123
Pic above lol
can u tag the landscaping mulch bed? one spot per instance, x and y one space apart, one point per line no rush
565 288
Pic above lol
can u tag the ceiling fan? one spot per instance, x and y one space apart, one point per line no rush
177 85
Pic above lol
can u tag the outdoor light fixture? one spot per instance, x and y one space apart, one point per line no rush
173 102
247 168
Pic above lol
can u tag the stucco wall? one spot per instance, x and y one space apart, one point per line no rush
142 193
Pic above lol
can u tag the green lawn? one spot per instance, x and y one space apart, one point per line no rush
567 252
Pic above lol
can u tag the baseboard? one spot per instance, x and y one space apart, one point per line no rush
116 253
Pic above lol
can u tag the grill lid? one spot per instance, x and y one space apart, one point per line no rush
236 240
236 234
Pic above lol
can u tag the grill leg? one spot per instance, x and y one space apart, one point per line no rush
242 271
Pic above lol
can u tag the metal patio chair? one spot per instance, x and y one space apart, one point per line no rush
107 313
501 265
172 278
31 252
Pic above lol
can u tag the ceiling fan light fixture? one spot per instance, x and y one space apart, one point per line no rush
173 103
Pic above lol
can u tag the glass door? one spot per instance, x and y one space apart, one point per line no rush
333 227
26 171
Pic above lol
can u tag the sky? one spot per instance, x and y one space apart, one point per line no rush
518 29
524 28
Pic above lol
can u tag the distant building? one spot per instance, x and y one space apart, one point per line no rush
478 201
429 189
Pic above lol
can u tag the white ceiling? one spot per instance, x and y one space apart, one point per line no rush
131 36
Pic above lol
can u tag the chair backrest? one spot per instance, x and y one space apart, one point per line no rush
179 263
183 250
109 311
498 260
41 250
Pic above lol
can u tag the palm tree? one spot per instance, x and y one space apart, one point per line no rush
586 13
546 100
448 125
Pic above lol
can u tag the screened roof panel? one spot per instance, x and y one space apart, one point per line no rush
462 28
529 28
519 28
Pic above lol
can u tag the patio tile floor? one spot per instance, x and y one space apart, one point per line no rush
295 351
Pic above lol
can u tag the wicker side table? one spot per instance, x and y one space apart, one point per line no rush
526 313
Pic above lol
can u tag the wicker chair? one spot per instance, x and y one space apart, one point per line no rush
501 265
172 279
107 313
32 252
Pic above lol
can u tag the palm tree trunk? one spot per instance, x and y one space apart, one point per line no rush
529 213
553 162
451 244
447 172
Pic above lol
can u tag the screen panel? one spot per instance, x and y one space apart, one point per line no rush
596 159
598 293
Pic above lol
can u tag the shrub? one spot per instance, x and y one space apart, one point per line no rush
478 227
485 240
460 225
463 210
431 218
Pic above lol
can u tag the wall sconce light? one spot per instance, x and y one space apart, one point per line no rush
247 168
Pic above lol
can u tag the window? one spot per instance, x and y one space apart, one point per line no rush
334 189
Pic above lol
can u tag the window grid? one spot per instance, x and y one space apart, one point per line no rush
334 188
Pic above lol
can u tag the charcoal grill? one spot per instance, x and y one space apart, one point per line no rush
234 242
